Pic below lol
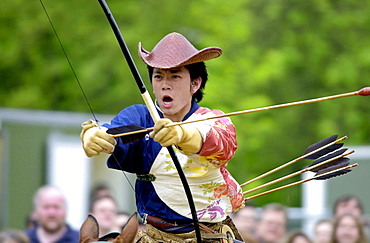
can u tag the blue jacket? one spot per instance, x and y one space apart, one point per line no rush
216 193
138 157
71 236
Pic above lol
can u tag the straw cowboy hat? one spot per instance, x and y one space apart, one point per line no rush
174 50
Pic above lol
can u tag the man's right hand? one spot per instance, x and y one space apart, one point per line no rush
95 140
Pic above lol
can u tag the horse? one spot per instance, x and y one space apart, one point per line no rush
89 231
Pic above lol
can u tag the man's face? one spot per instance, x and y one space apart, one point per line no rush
351 206
173 90
51 211
105 212
246 219
272 226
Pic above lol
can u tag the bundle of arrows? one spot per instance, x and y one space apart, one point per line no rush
329 161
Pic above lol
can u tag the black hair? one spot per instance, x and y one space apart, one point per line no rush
196 70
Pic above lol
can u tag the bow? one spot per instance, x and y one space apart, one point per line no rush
151 107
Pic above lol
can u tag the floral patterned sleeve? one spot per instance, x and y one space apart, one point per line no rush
219 138
219 146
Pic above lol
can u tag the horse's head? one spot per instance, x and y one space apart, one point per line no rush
89 231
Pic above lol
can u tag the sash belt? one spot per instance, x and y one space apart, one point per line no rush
162 223
158 222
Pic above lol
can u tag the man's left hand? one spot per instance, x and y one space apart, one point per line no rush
187 138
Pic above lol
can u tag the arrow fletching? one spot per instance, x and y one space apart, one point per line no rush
327 158
125 129
129 133
321 144
335 170
333 174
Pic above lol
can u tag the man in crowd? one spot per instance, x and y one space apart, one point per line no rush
272 225
50 210
104 209
245 220
348 204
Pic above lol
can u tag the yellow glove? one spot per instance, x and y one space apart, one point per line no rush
187 138
95 139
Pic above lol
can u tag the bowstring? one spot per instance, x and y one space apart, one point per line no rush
69 62
84 94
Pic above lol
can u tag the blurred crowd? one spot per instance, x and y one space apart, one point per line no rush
347 224
47 222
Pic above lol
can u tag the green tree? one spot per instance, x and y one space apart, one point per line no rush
274 52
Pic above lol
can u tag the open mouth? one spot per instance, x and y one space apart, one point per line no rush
167 101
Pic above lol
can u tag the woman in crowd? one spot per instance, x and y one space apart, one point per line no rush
348 229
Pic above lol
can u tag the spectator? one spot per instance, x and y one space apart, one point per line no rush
245 221
50 209
100 190
13 236
296 236
351 204
272 225
105 211
348 229
322 231
348 204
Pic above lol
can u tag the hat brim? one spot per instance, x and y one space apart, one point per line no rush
164 61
